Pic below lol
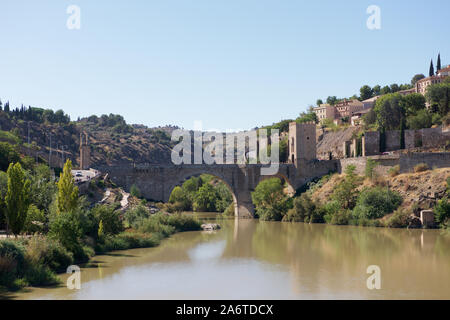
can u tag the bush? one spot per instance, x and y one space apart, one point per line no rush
65 228
442 212
205 199
135 192
34 221
342 217
48 252
126 240
394 171
12 262
304 210
133 216
376 202
398 220
370 166
110 218
229 212
421 167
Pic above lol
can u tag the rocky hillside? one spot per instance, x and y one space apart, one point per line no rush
420 191
111 140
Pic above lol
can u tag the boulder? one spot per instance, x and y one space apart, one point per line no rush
414 222
210 226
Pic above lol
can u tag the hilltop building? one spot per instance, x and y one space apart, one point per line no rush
423 84
344 109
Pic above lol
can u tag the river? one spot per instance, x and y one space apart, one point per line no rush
248 259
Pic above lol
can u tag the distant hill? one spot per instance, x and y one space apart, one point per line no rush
111 139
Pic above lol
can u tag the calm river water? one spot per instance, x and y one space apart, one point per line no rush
249 259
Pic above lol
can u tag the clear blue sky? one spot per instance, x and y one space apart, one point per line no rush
231 64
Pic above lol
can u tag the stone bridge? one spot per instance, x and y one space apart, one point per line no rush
156 182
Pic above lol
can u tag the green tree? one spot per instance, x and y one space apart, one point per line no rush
389 111
179 196
412 103
345 193
135 191
110 218
438 95
17 198
319 102
376 90
385 90
423 119
8 154
205 199
376 202
431 73
416 78
438 66
332 100
270 199
67 191
366 92
442 212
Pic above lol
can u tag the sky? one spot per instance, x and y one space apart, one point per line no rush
234 64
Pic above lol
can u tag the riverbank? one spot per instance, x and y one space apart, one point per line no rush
253 259
36 261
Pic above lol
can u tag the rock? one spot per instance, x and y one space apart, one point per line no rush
210 227
414 222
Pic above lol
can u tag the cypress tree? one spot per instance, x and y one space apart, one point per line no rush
438 66
431 68
7 107
67 191
17 198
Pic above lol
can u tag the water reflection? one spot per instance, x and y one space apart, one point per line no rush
248 259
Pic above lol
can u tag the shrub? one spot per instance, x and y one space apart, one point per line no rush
48 252
110 219
229 212
205 199
304 210
394 171
134 216
398 220
65 228
126 240
442 212
374 203
421 167
40 275
154 225
370 166
34 221
12 262
135 192
342 217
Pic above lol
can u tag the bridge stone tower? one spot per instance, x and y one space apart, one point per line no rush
85 152
302 142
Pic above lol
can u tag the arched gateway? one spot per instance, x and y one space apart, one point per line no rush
156 182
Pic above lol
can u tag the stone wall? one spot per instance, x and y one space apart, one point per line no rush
392 140
371 143
407 162
333 142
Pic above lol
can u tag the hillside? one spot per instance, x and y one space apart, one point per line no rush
111 140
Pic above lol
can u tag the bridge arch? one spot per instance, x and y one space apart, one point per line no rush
187 176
